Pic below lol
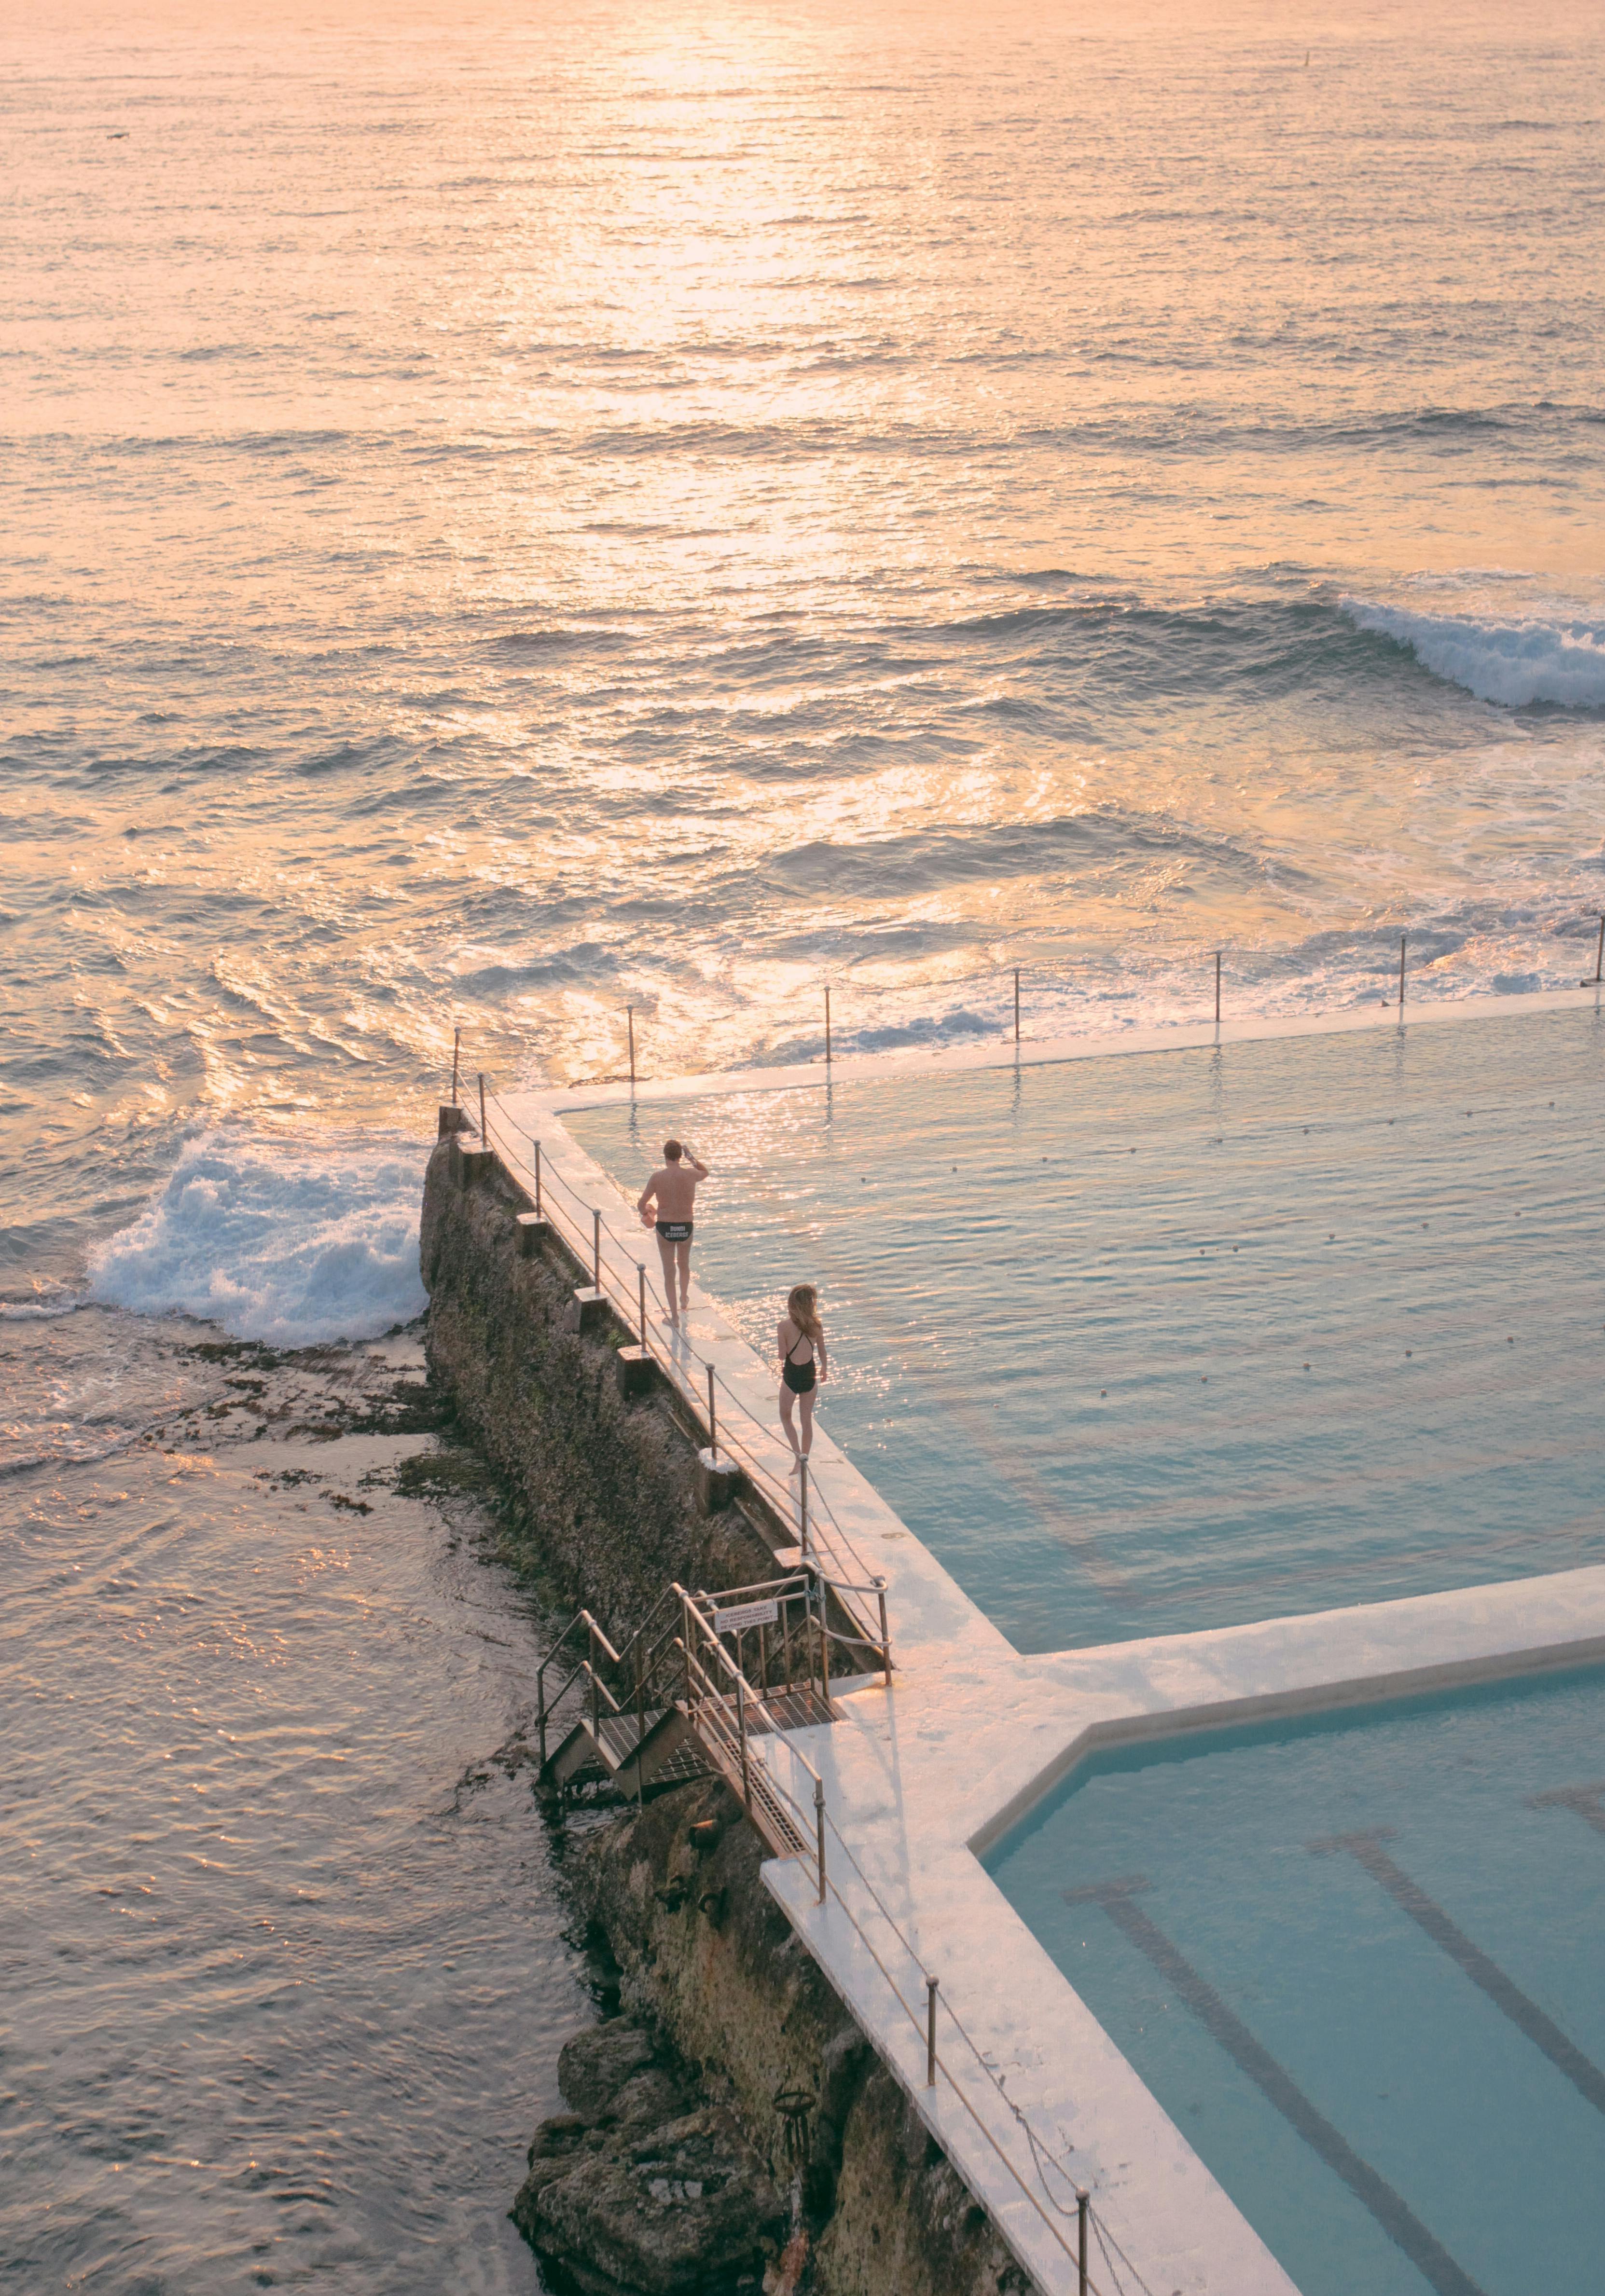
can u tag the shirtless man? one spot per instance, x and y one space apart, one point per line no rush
673 1187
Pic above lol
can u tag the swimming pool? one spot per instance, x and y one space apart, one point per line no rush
1359 1960
1138 1345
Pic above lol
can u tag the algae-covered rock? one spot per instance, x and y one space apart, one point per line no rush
593 2065
683 2210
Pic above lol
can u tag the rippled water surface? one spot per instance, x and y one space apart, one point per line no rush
513 514
283 1968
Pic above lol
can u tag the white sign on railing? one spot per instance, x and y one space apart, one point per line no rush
745 1614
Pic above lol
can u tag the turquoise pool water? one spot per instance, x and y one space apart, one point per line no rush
1161 1341
1360 1963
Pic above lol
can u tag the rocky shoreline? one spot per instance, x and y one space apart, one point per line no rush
733 2129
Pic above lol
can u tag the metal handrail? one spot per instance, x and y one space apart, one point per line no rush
627 1309
922 2025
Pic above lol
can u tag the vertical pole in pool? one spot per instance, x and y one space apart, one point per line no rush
484 1136
535 1144
713 1422
456 1047
827 1028
596 1250
1017 1003
630 1022
1599 970
1402 938
1082 2198
931 2032
1217 956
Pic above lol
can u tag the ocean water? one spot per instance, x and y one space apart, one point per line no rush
518 514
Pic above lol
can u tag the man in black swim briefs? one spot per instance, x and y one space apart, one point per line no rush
667 1201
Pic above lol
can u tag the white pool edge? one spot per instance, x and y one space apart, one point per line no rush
863 1068
924 1777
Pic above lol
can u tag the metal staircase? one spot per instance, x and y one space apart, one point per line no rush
701 1677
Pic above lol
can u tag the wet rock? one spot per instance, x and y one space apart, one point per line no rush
648 2100
682 2209
593 2066
554 2149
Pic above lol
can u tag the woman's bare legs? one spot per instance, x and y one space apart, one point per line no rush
807 1402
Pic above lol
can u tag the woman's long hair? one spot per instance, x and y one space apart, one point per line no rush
804 1314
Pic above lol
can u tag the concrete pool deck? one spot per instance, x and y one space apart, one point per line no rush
922 1777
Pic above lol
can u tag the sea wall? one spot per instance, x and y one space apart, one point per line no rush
731 2004
708 1960
607 1487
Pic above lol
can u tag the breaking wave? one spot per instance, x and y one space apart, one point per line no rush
1519 661
273 1243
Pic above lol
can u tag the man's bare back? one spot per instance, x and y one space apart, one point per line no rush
668 1202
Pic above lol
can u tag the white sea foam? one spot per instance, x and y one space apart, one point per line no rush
274 1244
1518 660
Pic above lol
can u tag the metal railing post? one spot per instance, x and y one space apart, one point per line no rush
880 1589
641 1298
629 1017
712 1420
535 1145
1599 971
1217 959
456 1047
1402 938
819 1831
1017 974
931 2032
641 1706
747 1779
824 1646
484 1136
827 1028
803 1507
1082 2197
596 1250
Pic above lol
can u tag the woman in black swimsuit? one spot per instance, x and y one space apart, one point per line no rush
803 1361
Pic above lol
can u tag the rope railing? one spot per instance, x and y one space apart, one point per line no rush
993 980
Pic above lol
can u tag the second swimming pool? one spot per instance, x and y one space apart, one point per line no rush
1359 1960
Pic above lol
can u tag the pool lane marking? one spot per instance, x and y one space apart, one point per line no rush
1502 1991
1587 1802
1397 2220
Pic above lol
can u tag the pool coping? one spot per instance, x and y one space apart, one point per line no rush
924 1777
